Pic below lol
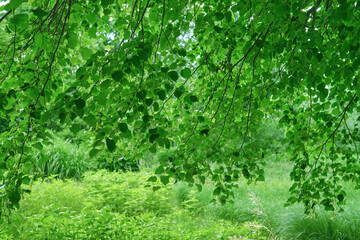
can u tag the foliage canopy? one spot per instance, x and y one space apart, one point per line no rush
191 81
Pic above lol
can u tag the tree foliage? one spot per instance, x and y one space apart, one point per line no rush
189 80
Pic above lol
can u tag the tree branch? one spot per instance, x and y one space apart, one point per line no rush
44 86
6 14
247 122
337 127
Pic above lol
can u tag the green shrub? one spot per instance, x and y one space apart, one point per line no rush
104 224
115 206
55 196
113 163
64 159
128 192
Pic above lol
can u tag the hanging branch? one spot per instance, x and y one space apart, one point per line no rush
327 140
247 122
44 86
172 94
352 138
161 30
6 14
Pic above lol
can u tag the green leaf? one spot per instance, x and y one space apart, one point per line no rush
93 152
201 119
159 170
148 101
144 54
14 4
179 92
202 179
75 128
146 118
194 98
39 12
85 53
80 72
260 178
39 40
90 120
152 179
217 191
219 16
228 17
110 144
141 95
14 197
45 116
162 94
153 149
164 179
38 146
164 69
329 207
80 103
182 52
26 180
117 75
153 137
101 99
92 18
173 75
186 73
246 173
123 127
205 132
227 178
20 20
340 197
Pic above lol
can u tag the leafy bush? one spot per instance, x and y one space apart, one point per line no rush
104 224
54 196
128 192
113 163
114 206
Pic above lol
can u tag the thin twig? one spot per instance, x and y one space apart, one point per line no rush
327 140
247 122
44 86
161 30
6 14
352 138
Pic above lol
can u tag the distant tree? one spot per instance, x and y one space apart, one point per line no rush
191 80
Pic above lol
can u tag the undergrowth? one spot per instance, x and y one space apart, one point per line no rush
116 206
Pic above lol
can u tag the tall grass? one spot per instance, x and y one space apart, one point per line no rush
63 159
264 203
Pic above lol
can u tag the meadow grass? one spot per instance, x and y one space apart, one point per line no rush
264 202
124 203
63 159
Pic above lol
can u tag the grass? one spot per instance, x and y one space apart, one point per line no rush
108 205
264 202
63 159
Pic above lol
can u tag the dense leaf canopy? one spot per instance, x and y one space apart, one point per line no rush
191 81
